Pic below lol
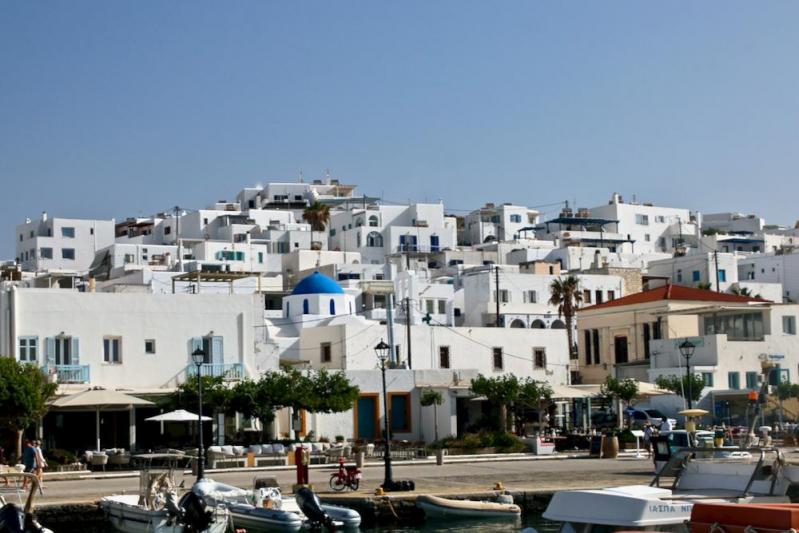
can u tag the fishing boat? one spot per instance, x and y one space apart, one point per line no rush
742 518
267 509
435 506
698 475
16 519
158 509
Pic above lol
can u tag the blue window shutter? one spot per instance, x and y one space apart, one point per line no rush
75 351
50 350
332 306
217 355
306 307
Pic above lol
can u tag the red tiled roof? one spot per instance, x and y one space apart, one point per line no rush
675 292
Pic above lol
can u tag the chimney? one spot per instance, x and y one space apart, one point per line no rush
44 216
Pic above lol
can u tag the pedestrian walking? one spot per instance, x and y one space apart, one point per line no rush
41 464
648 439
28 460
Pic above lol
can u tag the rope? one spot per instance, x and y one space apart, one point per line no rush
716 528
391 507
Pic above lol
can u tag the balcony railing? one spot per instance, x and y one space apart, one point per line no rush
229 371
68 373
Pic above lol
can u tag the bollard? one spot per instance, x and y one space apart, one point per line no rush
440 456
359 458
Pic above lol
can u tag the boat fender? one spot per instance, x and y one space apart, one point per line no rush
505 498
312 508
498 486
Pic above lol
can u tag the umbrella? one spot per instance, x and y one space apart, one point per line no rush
97 398
180 415
693 412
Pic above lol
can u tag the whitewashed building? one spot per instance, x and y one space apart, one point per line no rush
67 244
773 268
506 222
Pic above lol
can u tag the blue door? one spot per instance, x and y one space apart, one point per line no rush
366 417
434 243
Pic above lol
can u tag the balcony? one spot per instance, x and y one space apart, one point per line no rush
68 373
228 371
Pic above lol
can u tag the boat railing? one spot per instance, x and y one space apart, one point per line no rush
34 487
676 465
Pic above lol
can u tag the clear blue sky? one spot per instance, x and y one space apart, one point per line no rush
115 109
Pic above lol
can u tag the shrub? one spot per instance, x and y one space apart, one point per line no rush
58 456
339 438
504 440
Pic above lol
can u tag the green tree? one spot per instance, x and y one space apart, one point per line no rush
432 397
317 215
680 385
625 390
501 391
785 391
24 393
744 291
704 285
531 394
565 294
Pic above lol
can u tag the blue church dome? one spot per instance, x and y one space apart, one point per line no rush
317 283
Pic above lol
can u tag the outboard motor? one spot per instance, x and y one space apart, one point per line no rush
312 508
195 516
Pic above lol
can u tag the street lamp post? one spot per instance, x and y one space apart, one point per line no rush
198 356
383 352
687 350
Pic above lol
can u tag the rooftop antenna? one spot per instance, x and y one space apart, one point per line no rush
327 175
301 177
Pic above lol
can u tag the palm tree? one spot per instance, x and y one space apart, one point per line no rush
565 293
317 215
743 291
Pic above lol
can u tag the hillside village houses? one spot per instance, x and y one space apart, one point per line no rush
123 304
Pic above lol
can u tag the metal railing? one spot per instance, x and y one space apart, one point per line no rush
229 371
69 373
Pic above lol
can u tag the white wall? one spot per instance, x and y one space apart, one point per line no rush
89 237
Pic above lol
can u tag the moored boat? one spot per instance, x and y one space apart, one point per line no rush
435 506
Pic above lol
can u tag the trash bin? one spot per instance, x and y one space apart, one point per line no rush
359 458
440 456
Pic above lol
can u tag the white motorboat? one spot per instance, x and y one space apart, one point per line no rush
700 474
434 506
157 508
267 509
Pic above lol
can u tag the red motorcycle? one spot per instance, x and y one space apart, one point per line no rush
346 477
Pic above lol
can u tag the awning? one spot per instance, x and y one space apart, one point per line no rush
181 415
567 392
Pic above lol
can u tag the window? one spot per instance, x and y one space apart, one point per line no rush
595 333
374 240
46 253
326 352
696 275
620 344
598 296
443 356
751 380
734 380
789 325
647 237
68 232
530 297
497 352
586 296
129 258
298 198
21 237
149 346
679 276
68 253
435 244
260 258
442 307
587 344
91 231
112 350
332 232
642 220
707 377
503 296
28 349
205 221
722 275
539 358
399 405
373 222
516 218
660 219
167 230
611 295
306 307
332 306
647 332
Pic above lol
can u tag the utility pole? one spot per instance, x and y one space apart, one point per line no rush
716 260
496 281
177 239
393 355
408 329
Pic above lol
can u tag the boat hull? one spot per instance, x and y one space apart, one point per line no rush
434 506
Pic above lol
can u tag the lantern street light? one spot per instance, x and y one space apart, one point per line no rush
687 350
383 351
198 356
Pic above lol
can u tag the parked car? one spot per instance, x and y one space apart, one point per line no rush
604 420
640 417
